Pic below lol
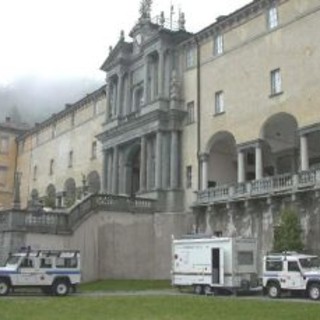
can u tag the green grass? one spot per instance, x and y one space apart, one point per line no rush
125 285
154 308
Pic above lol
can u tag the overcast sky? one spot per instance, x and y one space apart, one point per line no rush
58 38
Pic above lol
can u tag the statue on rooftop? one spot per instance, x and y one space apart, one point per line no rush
145 9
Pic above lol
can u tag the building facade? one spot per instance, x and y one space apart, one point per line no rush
215 132
9 131
60 158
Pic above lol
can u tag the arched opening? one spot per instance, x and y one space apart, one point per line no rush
222 162
94 183
50 199
281 151
133 170
70 192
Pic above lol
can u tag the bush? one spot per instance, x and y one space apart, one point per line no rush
287 236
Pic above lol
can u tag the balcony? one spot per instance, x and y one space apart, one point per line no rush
277 185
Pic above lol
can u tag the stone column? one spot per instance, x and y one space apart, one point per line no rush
143 164
146 80
118 110
109 174
259 164
148 164
104 170
158 171
241 167
115 170
174 160
160 74
115 88
121 175
204 158
304 156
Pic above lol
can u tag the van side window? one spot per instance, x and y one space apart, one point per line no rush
27 263
45 263
274 265
66 263
293 266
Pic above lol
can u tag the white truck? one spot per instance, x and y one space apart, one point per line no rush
53 271
291 272
214 263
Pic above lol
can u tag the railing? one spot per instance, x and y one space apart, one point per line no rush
285 183
64 222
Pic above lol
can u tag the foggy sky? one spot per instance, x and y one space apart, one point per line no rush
66 41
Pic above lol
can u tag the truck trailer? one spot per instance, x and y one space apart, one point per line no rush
212 264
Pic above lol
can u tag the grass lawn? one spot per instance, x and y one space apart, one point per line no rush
125 285
154 307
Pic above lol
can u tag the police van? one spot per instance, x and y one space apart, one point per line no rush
55 272
291 272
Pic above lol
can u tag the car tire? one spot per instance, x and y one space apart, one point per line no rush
274 290
207 290
60 288
198 289
314 291
4 287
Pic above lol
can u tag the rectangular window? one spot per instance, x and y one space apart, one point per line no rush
245 258
70 162
4 145
190 110
272 17
72 119
190 57
35 173
3 176
218 45
51 170
274 265
276 86
66 262
94 150
54 131
189 177
219 102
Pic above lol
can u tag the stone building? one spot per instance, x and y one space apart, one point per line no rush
142 135
9 131
212 132
257 115
60 158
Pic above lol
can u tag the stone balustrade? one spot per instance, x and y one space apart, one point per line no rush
280 184
38 220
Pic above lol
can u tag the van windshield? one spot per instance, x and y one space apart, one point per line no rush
310 263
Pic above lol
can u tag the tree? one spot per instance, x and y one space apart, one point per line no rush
287 236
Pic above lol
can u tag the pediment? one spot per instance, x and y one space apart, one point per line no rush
120 52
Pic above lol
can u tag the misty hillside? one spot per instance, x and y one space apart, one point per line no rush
33 99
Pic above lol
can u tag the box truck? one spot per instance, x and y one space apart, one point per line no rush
210 264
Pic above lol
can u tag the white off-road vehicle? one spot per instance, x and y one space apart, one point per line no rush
291 272
55 272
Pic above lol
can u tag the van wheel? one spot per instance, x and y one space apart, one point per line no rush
207 290
60 288
4 287
198 289
314 291
274 290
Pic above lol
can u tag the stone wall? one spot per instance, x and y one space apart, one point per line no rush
113 245
257 218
